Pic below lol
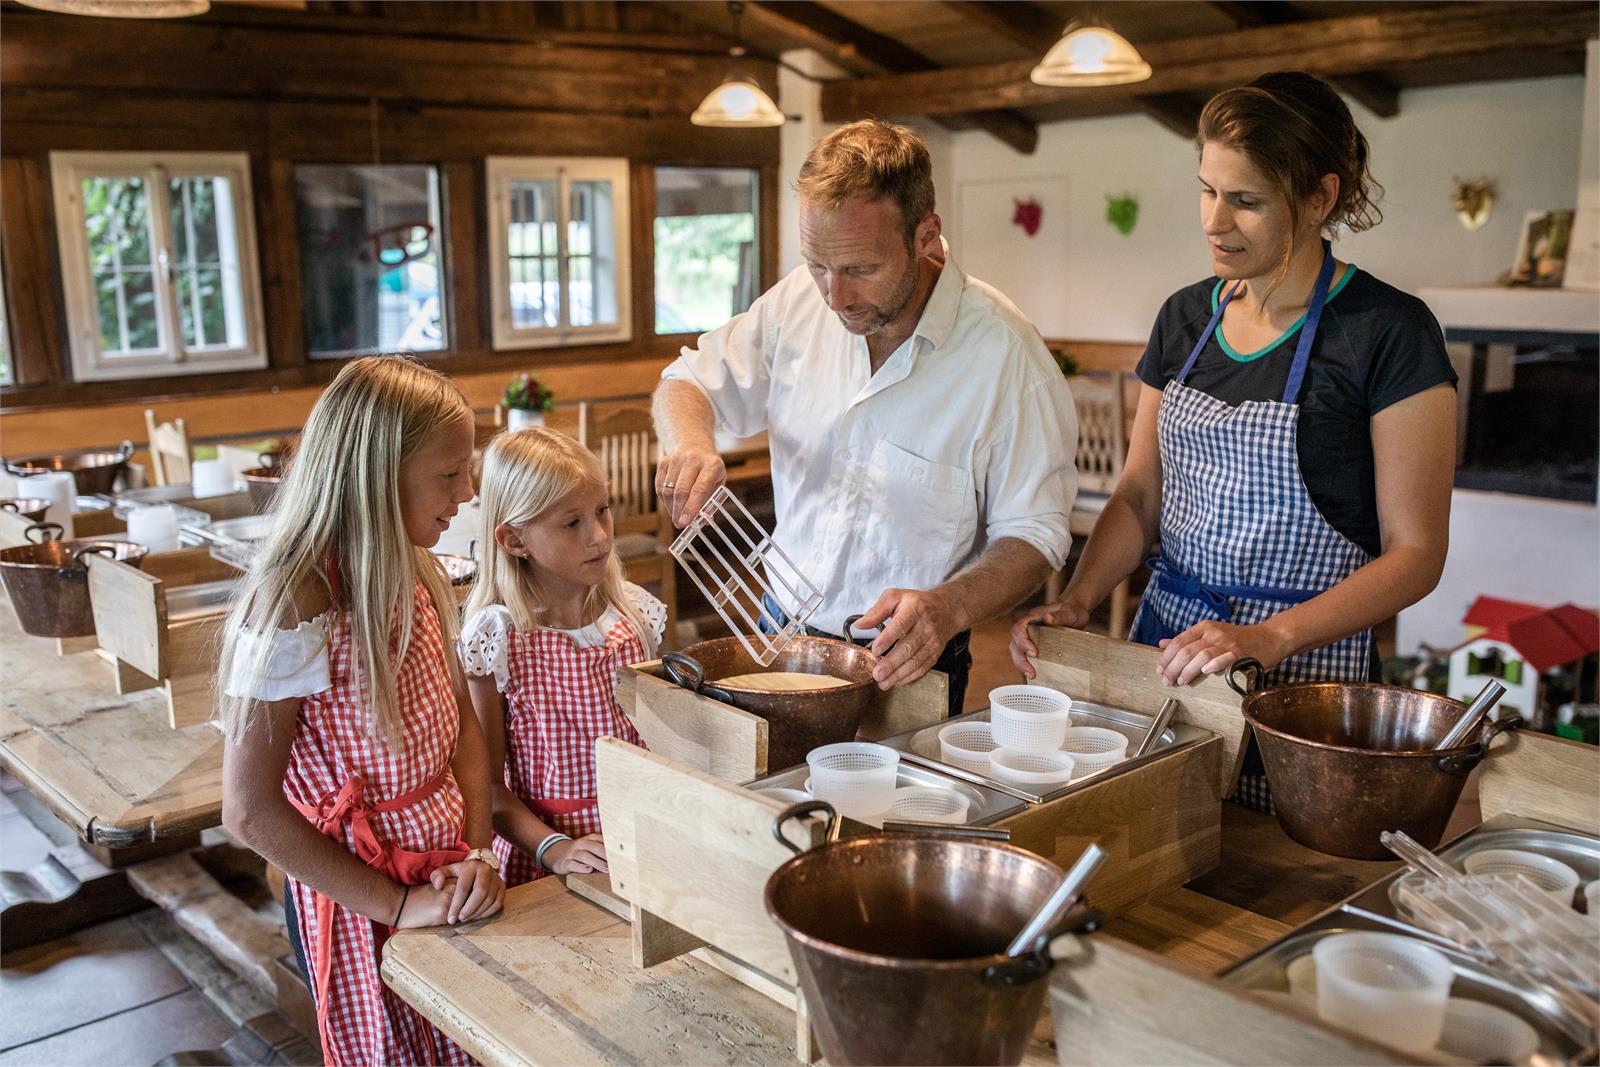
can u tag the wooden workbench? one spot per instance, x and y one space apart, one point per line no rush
108 766
551 979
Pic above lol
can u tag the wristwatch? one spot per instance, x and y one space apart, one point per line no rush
483 855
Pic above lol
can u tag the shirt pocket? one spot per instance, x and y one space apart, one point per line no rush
921 512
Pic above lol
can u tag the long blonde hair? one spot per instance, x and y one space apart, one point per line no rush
339 507
525 474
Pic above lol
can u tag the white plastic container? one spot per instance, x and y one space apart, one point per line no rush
967 745
926 803
1094 748
1551 875
210 477
1029 718
1036 771
1302 974
1475 1032
1591 898
1386 987
856 777
155 527
58 487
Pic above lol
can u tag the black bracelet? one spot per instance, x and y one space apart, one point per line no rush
401 909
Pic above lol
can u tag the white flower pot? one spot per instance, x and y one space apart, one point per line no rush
522 418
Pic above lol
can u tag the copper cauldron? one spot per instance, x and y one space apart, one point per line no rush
1347 761
263 484
94 472
29 507
48 581
798 720
899 944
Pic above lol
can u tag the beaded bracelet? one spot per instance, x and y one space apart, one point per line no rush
544 846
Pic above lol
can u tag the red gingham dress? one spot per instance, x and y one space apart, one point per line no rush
560 697
363 1021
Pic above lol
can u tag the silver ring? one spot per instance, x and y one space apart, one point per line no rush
669 485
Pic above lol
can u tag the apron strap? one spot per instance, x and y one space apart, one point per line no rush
1215 597
1205 335
548 806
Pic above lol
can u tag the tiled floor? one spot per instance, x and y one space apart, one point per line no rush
131 991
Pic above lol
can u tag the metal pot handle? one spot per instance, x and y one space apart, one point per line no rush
795 811
687 672
1463 762
48 531
9 505
124 451
1021 970
98 548
1254 683
849 624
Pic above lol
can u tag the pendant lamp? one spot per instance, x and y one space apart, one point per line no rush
739 100
124 9
1090 53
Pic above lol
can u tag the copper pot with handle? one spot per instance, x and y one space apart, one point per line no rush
48 581
798 719
1349 760
94 472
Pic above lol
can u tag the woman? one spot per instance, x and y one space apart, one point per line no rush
1294 444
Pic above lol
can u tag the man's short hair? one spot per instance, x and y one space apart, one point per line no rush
871 160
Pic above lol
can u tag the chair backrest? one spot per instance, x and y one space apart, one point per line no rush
626 443
169 450
1101 444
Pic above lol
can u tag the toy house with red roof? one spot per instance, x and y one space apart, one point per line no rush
1516 643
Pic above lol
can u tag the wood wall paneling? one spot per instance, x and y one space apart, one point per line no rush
32 304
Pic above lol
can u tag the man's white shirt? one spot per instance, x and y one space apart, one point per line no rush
966 434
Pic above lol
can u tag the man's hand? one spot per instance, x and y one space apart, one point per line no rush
1064 612
685 480
917 624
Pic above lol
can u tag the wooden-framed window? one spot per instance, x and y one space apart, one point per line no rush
707 256
558 251
158 263
372 260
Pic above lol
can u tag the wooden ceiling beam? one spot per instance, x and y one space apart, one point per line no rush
855 47
1371 90
1332 47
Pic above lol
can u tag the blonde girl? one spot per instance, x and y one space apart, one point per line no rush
351 759
549 623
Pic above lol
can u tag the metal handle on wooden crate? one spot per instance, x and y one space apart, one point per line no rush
1463 762
945 829
795 811
99 548
1256 680
47 531
687 672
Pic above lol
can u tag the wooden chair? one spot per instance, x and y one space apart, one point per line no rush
169 450
1102 449
626 443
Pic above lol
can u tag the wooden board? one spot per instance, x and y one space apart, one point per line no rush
193 648
13 529
1542 777
693 852
130 614
1118 674
1161 825
108 766
908 707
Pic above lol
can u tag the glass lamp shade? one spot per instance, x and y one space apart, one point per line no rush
124 9
737 102
1088 56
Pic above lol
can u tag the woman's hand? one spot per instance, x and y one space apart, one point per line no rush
1064 612
475 890
587 853
426 905
1211 647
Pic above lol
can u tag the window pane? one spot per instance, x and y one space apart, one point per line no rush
116 216
206 262
591 244
531 242
707 266
370 258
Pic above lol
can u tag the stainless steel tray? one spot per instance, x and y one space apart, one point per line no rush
984 806
194 601
1267 971
921 746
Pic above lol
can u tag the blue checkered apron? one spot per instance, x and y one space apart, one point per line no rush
1241 538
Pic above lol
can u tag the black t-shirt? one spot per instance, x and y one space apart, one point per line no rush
1376 346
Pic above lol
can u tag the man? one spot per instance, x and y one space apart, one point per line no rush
922 436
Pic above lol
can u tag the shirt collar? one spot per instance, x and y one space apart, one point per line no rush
939 314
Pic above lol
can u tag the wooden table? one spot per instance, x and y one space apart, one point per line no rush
551 981
108 766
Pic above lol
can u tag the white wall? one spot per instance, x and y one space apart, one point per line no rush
1095 283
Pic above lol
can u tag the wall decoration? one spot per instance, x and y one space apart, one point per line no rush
1122 212
1542 252
1474 201
1028 214
1036 273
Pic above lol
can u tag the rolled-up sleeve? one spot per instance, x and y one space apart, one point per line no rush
732 365
1032 477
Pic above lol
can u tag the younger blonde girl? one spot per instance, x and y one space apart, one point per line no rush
352 761
548 625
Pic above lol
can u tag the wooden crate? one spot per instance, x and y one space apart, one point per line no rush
1119 1004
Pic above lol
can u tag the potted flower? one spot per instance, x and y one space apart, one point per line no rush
527 401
